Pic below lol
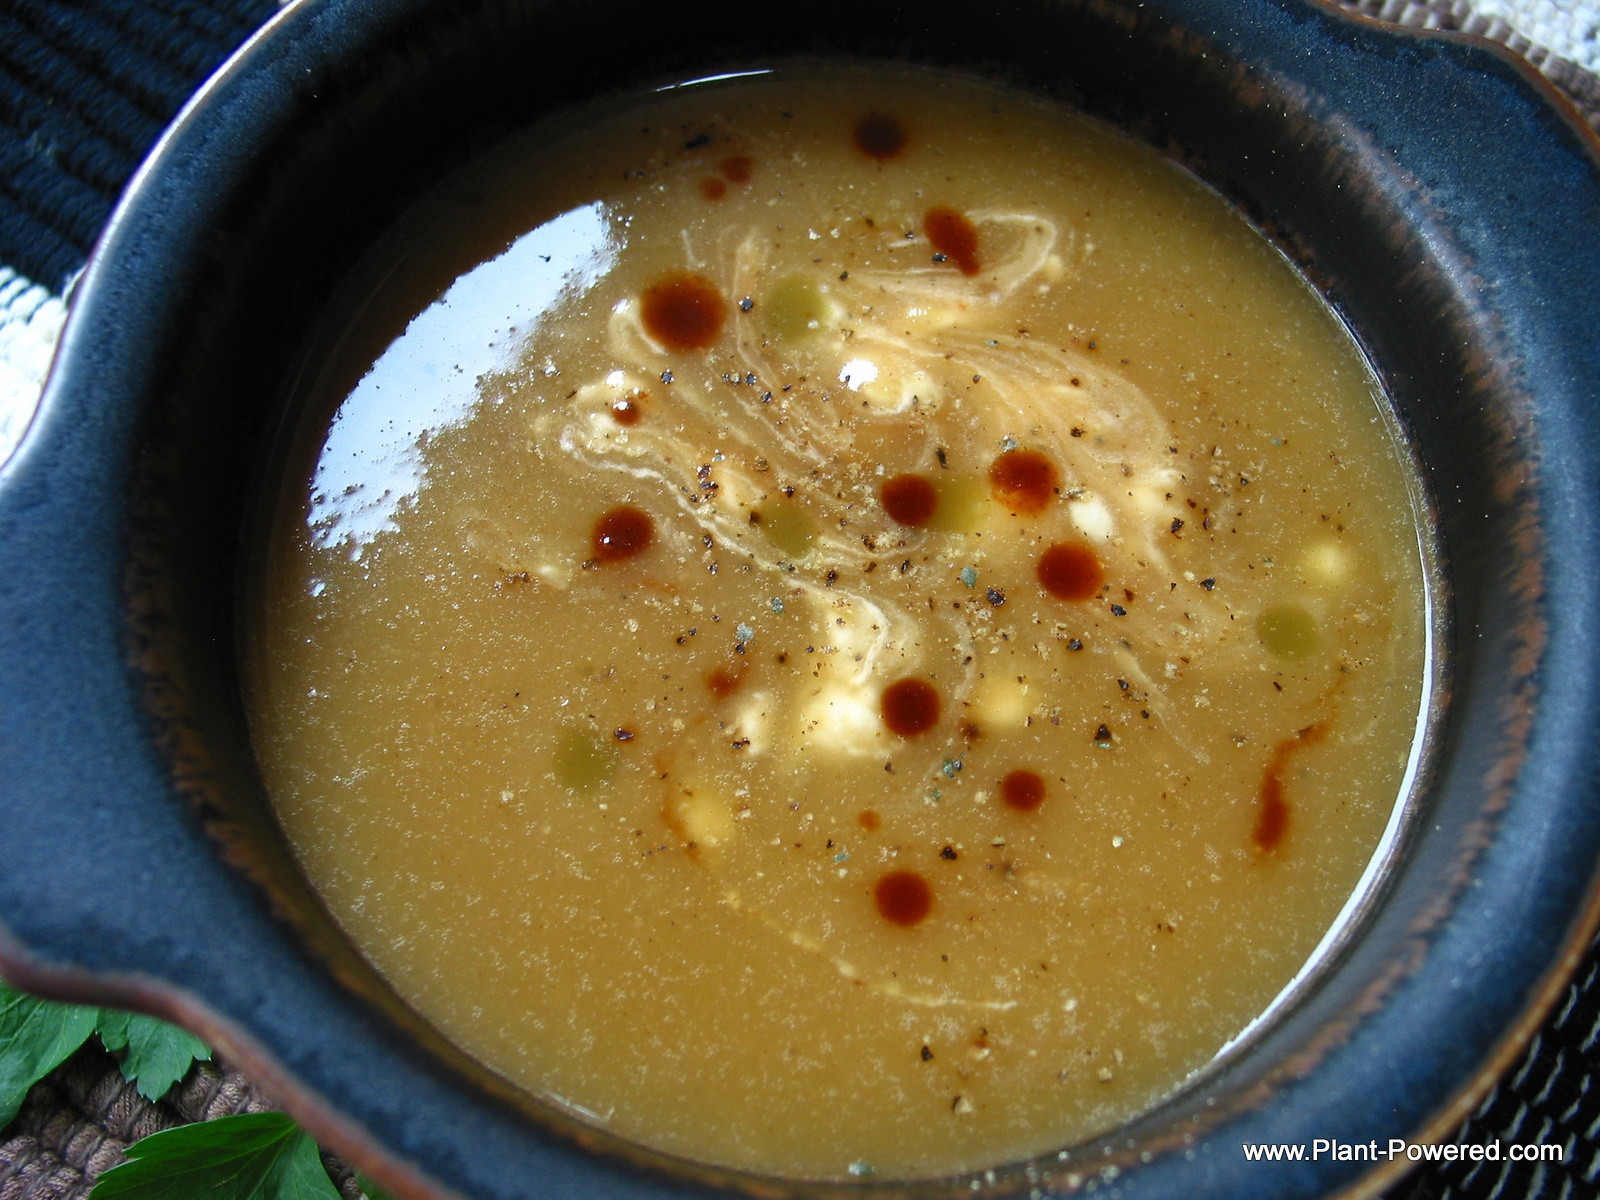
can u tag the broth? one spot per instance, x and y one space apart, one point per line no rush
844 622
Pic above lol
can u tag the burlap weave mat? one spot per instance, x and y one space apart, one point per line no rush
76 1123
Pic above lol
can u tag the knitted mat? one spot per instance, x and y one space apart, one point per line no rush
85 88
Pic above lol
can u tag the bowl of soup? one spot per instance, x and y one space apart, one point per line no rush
825 602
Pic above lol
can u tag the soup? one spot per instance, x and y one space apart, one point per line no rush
838 622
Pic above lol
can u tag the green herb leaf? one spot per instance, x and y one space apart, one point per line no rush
369 1189
252 1156
36 1036
155 1055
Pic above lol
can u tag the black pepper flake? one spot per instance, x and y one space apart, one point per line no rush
623 735
1176 525
905 566
948 854
1075 644
927 1054
844 275
944 460
832 576
1123 684
1102 736
666 377
1118 611
766 397
1075 431
695 143
741 743
750 378
940 258
1208 584
996 597
746 304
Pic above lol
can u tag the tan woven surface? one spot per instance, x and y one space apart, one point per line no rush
76 1123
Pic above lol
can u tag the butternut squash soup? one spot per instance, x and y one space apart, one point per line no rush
839 621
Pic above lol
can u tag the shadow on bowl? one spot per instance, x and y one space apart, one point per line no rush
144 866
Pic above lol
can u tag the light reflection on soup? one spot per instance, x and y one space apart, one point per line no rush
869 631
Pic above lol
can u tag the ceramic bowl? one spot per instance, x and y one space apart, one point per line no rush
1443 201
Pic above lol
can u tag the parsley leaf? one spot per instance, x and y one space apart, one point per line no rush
371 1190
252 1156
36 1036
155 1055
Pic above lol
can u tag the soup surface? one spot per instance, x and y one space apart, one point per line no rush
843 622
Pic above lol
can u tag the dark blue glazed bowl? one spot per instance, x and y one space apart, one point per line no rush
1446 204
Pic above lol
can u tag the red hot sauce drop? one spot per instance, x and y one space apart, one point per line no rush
878 136
736 168
954 236
1070 571
724 681
910 707
1022 790
903 897
1025 481
1272 819
620 534
909 499
683 311
627 411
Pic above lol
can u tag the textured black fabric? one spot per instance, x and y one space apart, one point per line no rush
85 88
1552 1096
87 85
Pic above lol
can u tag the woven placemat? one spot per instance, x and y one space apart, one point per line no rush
85 88
77 1122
